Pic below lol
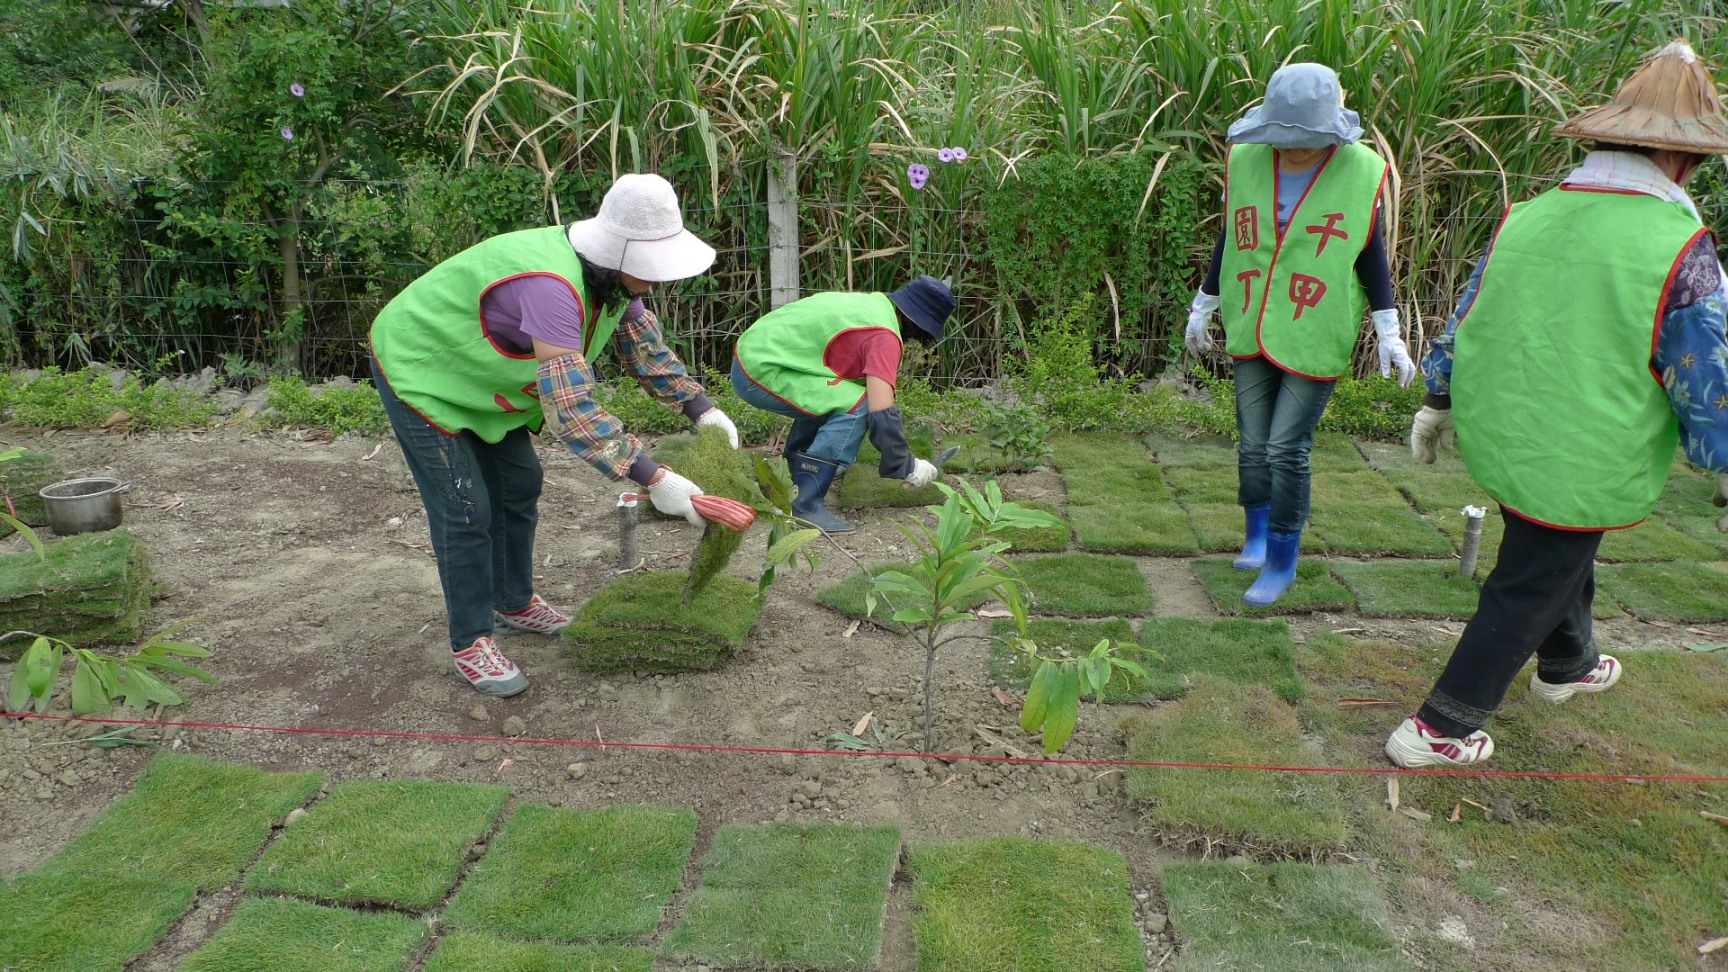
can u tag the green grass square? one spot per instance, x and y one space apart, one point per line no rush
1409 588
1666 591
370 842
1084 585
1372 531
1315 588
1219 527
847 595
1117 499
570 876
1012 669
1654 539
1037 539
189 819
1203 452
639 622
1333 452
1686 506
1200 484
1158 529
1440 492
790 895
468 952
84 922
863 488
1236 650
1313 918
284 935
1013 904
1363 489
1282 814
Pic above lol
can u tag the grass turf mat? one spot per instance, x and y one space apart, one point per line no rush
847 596
189 819
1203 452
88 590
1037 539
83 922
1409 588
1237 650
1440 492
283 935
370 842
564 875
1218 527
790 895
468 952
1301 917
638 623
1363 513
1685 505
1315 588
1012 669
1117 499
1654 539
863 488
1666 592
1084 585
1296 815
1200 484
706 458
1013 904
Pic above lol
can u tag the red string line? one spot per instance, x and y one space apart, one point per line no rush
945 757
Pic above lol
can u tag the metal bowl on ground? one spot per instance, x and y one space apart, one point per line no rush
83 505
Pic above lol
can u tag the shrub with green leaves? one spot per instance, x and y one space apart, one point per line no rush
338 410
92 397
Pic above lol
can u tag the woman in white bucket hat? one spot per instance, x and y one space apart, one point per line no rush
1301 255
493 345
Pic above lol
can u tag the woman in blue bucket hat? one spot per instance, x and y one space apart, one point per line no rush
1302 253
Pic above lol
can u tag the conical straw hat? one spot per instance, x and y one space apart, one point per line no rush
1668 103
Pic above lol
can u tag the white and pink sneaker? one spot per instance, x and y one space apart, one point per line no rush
486 668
538 617
1600 679
1414 745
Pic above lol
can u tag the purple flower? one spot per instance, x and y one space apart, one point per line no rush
959 154
297 91
287 134
945 154
917 175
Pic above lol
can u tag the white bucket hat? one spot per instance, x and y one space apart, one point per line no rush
1303 108
639 231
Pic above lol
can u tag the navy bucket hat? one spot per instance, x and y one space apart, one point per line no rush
926 302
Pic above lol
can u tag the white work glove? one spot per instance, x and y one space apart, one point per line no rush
1431 429
671 494
720 420
1199 317
924 472
1393 353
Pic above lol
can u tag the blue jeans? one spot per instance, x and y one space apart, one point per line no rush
482 503
1276 413
835 437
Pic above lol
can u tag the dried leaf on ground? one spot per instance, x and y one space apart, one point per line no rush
1008 701
1391 792
1714 944
863 723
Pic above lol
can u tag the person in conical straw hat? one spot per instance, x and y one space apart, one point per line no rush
1588 341
494 344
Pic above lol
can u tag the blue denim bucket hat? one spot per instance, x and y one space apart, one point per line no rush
1303 108
927 302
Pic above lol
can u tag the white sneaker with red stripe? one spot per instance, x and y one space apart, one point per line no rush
538 617
1600 679
486 668
1414 745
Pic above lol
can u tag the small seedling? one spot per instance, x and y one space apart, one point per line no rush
99 681
1018 434
1053 699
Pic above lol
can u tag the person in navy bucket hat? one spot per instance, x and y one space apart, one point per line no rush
830 362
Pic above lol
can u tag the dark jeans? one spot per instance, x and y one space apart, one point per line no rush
1276 413
1536 601
835 437
482 504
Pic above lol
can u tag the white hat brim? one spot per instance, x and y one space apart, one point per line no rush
672 258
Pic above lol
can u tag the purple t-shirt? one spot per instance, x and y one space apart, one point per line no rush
537 305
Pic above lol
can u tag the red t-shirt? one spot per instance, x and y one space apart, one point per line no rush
873 351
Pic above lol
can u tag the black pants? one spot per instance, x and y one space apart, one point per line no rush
1536 601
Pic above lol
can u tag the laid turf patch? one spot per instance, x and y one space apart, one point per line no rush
1218 527
283 935
1440 492
369 842
1315 588
862 487
91 589
1409 588
847 596
639 623
1666 591
1084 585
1312 918
1235 650
189 820
1012 904
569 876
1653 539
1333 452
1265 814
706 457
1200 484
1207 451
82 922
1685 505
1117 499
1363 513
467 952
1051 539
1011 668
789 895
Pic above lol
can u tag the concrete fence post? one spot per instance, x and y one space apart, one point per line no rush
783 230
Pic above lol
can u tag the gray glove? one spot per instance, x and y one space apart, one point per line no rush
1431 429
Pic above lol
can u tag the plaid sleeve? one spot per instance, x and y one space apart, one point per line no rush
575 419
642 349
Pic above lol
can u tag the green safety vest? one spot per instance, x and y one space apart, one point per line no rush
786 351
432 344
1559 412
1294 296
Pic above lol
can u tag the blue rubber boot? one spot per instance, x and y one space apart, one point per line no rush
813 477
1280 570
1254 547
